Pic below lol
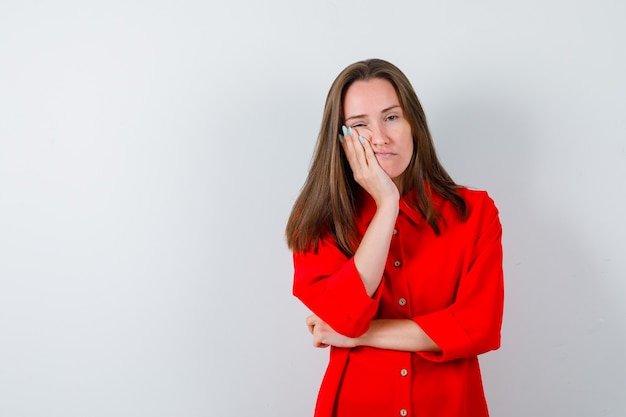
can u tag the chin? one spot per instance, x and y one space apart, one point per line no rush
394 175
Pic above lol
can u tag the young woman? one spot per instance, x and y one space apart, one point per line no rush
401 267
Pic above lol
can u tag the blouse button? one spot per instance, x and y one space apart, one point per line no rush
402 301
397 263
404 372
403 412
395 231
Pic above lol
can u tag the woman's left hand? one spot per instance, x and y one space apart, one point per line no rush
324 335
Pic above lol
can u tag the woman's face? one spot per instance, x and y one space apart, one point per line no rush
372 109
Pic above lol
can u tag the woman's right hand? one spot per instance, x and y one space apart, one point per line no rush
371 255
366 170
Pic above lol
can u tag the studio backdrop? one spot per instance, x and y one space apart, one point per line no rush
150 152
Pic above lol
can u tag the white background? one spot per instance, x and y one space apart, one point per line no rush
150 152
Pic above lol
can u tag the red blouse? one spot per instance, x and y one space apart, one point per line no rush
451 285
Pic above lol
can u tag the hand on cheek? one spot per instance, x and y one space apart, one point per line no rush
365 167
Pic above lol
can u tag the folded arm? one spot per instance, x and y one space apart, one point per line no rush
394 334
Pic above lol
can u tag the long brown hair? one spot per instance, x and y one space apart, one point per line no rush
327 202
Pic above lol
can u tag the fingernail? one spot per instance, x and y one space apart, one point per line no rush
350 131
345 130
340 138
361 139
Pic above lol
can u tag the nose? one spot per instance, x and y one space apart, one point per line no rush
379 135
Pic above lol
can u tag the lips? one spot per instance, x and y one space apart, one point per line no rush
384 155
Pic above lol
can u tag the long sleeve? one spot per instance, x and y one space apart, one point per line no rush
329 284
471 324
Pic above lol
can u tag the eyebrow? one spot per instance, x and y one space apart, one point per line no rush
359 116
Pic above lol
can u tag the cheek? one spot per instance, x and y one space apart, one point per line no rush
402 132
407 141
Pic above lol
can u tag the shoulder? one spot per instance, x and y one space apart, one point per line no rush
475 197
479 202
